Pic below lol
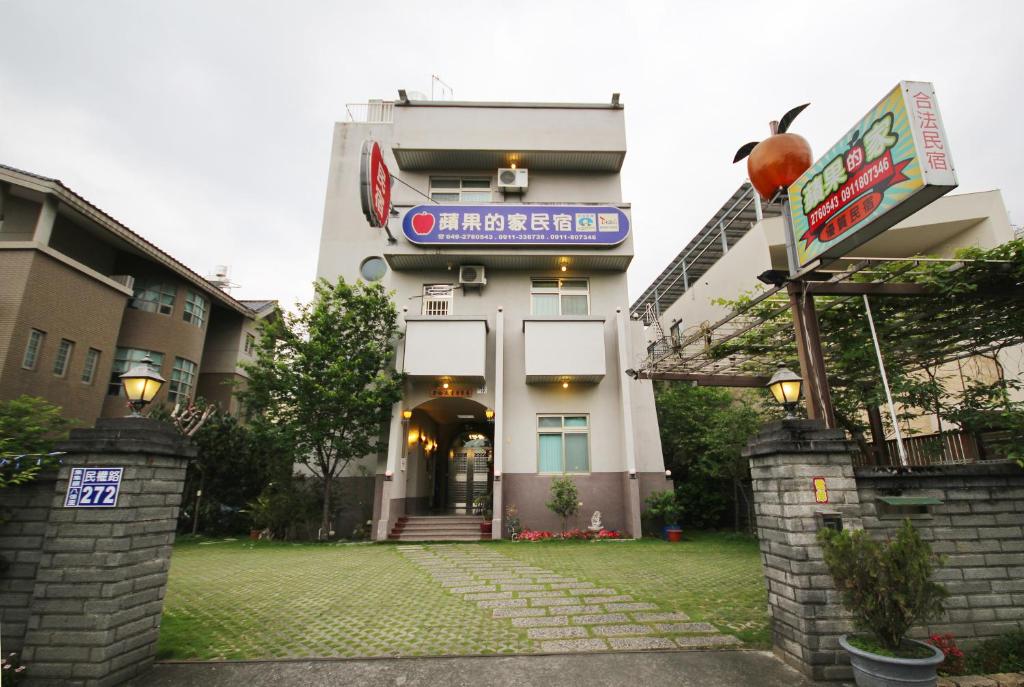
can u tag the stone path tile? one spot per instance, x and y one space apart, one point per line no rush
542 621
607 599
556 633
562 601
611 630
557 594
600 619
487 596
707 640
584 590
571 585
660 617
634 643
470 590
518 612
685 627
573 645
522 587
631 607
577 610
502 603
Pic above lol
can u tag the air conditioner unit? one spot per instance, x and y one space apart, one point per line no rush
124 279
511 180
472 275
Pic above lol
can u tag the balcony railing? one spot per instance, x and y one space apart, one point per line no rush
446 348
373 112
569 349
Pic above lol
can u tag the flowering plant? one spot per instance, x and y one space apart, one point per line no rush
535 535
11 670
608 534
954 662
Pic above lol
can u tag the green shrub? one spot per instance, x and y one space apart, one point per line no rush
703 504
565 499
662 508
887 586
1003 654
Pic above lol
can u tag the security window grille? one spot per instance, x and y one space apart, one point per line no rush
437 299
250 343
560 297
195 308
60 363
92 360
457 189
563 444
126 358
183 377
673 333
154 296
32 349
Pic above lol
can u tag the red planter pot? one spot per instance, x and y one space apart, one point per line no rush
485 527
674 534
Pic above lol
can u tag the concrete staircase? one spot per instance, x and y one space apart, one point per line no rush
438 528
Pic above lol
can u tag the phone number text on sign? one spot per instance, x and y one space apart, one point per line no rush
93 488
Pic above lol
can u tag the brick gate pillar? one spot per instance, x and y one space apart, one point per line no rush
94 615
807 618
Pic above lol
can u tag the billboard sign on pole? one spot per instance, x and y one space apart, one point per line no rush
892 163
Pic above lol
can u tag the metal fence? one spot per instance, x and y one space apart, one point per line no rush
373 112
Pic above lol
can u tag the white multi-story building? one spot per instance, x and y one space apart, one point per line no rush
508 265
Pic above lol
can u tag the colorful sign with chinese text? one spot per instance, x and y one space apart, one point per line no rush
820 490
93 488
516 225
374 185
892 163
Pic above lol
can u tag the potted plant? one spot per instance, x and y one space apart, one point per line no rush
664 511
888 588
482 504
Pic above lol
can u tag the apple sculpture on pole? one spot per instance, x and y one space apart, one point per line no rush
780 159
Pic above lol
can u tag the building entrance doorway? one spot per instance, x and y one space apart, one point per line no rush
449 457
471 458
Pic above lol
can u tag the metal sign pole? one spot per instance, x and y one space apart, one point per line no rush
788 235
885 383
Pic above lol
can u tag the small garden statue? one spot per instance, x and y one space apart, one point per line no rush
595 522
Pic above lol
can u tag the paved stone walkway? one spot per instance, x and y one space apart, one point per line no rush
561 613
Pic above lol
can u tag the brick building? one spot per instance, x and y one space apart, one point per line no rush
82 297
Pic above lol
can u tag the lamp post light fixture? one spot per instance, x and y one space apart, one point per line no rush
406 414
141 383
785 387
489 414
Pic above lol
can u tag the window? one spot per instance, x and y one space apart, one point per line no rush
92 360
250 343
183 376
674 333
560 297
563 443
454 189
35 344
195 308
60 363
437 299
125 358
373 268
154 296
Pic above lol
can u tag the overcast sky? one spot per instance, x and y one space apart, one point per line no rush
205 126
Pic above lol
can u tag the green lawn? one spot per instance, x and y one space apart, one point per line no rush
238 600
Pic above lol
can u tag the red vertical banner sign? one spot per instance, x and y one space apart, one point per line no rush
374 185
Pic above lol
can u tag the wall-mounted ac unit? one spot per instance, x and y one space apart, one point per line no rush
512 180
124 279
472 275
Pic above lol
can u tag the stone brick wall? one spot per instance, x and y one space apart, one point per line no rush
806 613
92 615
978 527
23 514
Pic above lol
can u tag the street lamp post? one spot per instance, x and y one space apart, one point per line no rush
141 384
785 387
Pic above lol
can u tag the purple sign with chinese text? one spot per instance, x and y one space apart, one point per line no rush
533 225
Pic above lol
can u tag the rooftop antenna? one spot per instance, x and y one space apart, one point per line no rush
443 90
220 279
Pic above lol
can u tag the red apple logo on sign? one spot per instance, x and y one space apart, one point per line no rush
423 223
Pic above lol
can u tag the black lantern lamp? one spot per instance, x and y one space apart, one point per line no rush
141 384
785 387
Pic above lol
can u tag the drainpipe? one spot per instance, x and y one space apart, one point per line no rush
629 444
497 503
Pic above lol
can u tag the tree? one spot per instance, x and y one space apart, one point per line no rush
29 427
564 499
324 376
703 433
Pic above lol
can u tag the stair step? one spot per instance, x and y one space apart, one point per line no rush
452 537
